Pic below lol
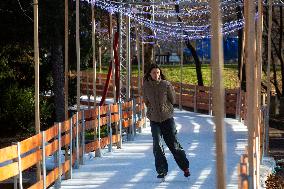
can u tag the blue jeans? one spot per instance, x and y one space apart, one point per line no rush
167 131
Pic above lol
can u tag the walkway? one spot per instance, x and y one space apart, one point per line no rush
133 165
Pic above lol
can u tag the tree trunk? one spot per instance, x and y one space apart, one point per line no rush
241 67
197 63
194 54
58 80
280 48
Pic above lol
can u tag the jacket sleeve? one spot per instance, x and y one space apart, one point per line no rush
146 100
171 93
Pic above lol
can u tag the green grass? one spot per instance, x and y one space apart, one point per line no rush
172 73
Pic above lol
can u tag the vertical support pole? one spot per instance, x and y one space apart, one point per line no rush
217 62
134 117
58 158
143 53
78 54
66 38
120 20
43 161
112 56
195 98
98 152
268 79
128 60
36 61
100 55
20 165
109 129
58 181
120 125
181 75
210 101
225 105
66 68
82 160
71 149
94 54
238 104
138 58
76 165
258 115
250 82
153 19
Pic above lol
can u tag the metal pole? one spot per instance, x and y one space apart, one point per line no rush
112 57
36 57
78 54
43 161
138 59
20 165
94 62
153 19
100 55
128 71
66 88
217 62
143 53
268 79
181 74
66 60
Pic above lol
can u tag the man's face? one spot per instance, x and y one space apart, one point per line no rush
155 74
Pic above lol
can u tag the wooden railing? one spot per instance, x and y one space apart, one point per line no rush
198 98
67 139
243 168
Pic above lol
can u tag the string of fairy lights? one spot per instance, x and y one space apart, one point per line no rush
196 28
195 15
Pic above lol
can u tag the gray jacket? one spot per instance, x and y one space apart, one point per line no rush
159 97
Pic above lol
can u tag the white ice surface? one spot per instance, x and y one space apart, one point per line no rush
132 167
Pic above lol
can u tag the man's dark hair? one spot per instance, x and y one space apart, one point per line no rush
151 67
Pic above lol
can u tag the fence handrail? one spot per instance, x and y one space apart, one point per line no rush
65 134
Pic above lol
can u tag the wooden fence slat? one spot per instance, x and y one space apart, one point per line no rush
8 153
65 140
31 143
52 176
8 171
31 159
37 185
51 148
51 132
65 126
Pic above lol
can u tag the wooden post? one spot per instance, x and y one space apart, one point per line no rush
257 90
250 83
36 59
78 54
217 62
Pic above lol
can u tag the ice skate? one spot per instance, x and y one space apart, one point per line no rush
161 177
